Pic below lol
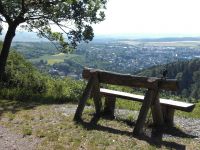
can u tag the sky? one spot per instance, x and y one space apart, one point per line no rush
151 17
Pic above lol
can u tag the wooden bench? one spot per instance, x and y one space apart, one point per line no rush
162 109
168 105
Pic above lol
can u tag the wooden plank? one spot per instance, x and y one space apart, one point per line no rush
188 107
119 94
83 99
130 80
149 97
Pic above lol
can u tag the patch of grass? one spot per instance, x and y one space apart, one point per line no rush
52 136
26 130
60 132
130 117
10 116
27 117
194 114
52 59
40 133
59 147
124 104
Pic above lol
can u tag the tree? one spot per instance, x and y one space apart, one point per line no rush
1 28
73 17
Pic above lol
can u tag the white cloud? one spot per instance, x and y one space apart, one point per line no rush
151 17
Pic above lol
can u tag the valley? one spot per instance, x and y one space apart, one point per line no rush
123 56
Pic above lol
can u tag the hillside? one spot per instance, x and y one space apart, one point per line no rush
23 81
42 124
187 72
123 56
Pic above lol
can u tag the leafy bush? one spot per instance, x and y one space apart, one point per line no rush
24 82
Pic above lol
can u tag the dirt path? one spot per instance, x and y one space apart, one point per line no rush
189 125
13 141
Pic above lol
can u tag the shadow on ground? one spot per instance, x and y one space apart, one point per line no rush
155 137
14 106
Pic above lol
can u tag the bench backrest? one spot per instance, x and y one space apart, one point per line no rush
131 81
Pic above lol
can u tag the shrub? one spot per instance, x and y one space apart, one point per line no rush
24 82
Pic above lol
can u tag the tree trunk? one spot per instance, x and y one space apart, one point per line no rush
6 47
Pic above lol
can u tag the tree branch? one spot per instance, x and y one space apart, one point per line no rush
3 13
45 36
20 18
23 10
60 26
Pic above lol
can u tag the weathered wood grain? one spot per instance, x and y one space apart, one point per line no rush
130 80
149 97
96 94
157 113
85 96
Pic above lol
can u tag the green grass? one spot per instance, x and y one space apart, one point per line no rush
26 130
58 58
124 104
194 114
194 44
57 131
174 44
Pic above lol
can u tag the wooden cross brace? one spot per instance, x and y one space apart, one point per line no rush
92 86
151 99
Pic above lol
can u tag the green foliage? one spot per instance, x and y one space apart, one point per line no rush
188 74
21 79
63 90
24 82
73 17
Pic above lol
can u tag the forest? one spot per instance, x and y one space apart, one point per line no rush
186 72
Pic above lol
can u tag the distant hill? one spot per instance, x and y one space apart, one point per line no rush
187 72
24 36
170 39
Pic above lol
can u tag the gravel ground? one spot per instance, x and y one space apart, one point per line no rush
13 141
190 126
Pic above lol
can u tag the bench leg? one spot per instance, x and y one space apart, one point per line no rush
85 96
109 107
97 95
149 97
168 115
157 113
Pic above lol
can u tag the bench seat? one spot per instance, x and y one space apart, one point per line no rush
183 106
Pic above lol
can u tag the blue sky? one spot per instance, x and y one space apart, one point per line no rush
151 17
